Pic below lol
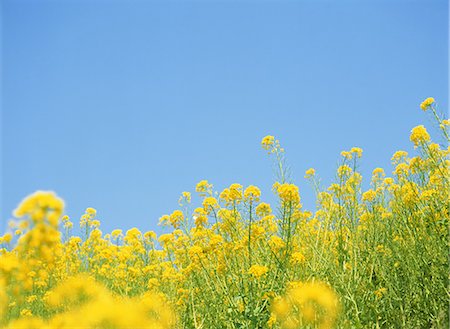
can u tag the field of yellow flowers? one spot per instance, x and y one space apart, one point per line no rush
363 259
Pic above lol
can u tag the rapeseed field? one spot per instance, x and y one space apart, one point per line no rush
375 258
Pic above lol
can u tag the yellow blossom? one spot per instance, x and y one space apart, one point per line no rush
380 292
312 303
267 142
369 196
310 172
203 188
252 193
288 193
263 209
426 103
356 150
258 271
419 135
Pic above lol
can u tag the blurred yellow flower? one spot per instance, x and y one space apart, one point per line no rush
267 142
257 271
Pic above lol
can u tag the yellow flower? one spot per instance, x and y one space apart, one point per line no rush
263 209
281 308
288 193
132 233
380 292
200 217
210 204
298 257
152 283
310 172
116 233
272 320
68 224
358 151
258 271
24 224
378 171
203 188
347 155
39 205
267 142
276 243
165 239
7 237
426 103
195 251
8 262
26 312
344 170
369 196
176 218
31 298
252 193
150 235
91 212
399 156
313 303
235 192
185 197
419 135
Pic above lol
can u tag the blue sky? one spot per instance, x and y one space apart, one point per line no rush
123 105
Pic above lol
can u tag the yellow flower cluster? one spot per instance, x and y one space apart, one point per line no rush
312 303
204 188
81 302
288 193
419 135
257 271
369 196
41 205
252 193
271 144
267 142
310 173
354 152
426 103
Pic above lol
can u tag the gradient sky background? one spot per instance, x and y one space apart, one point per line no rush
123 105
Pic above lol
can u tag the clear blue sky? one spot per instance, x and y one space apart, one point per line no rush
123 105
